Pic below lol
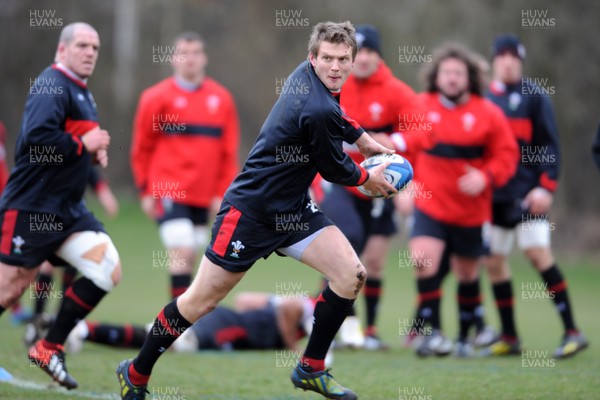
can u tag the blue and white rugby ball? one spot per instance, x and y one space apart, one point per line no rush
399 173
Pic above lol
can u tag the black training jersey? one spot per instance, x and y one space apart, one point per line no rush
227 329
302 135
52 166
531 117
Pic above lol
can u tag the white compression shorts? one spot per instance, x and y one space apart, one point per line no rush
182 233
529 234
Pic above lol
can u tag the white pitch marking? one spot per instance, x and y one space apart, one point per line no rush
59 390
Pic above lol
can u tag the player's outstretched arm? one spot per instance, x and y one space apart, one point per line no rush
369 146
289 316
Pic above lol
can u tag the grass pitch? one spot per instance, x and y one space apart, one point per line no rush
397 374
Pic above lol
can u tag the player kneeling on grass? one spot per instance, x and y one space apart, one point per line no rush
306 120
42 212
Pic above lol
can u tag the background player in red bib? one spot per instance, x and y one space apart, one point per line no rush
521 206
184 154
468 151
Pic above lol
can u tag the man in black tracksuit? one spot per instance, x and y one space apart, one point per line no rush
267 209
42 212
521 207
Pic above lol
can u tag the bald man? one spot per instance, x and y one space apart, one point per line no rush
42 212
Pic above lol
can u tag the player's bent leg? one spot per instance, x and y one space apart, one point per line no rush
96 257
331 254
13 282
211 284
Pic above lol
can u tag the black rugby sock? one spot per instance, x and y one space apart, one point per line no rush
372 293
330 312
557 288
503 293
79 300
468 301
179 284
116 335
168 326
430 294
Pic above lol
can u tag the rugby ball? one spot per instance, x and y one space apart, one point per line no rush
399 173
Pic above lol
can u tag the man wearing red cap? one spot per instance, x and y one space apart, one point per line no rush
521 206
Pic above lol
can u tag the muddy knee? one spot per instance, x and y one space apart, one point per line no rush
354 280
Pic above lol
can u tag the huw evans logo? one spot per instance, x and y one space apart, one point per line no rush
290 19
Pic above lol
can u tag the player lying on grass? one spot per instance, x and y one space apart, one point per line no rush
259 321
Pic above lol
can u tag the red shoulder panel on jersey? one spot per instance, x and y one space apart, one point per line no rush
351 121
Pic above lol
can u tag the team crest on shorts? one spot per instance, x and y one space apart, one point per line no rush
18 241
237 247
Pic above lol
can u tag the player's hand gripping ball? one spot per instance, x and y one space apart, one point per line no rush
399 173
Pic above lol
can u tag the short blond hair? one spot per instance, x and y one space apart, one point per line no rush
332 32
